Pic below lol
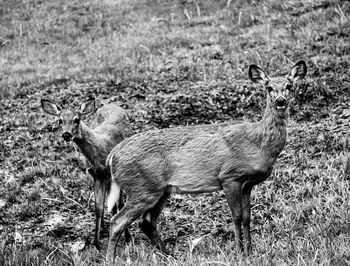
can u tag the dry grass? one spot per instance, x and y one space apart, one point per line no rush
171 63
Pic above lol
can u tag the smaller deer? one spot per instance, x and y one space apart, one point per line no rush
109 126
150 166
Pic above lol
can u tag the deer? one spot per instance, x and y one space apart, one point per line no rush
152 165
110 125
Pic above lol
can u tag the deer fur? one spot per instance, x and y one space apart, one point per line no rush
110 125
150 166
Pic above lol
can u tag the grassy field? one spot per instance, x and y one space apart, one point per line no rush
174 63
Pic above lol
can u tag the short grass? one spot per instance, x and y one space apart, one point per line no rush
174 63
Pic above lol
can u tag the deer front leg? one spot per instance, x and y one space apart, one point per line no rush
247 189
233 193
100 193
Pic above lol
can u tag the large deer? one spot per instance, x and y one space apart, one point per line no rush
110 125
150 166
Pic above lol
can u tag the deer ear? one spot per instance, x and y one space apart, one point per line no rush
257 74
50 107
87 107
298 71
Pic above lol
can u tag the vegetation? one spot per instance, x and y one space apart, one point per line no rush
174 63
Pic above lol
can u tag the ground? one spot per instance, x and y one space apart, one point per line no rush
173 63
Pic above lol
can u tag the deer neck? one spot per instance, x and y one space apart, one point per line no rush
87 142
274 130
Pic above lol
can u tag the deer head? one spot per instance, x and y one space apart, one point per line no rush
278 89
69 120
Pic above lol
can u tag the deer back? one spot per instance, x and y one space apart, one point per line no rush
113 122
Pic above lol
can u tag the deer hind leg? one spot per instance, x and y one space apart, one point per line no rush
149 223
246 217
233 193
134 207
120 205
117 206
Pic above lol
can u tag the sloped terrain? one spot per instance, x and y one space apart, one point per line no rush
173 63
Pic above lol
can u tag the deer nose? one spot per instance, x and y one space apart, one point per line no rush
67 136
281 102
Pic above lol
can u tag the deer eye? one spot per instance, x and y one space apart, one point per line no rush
76 120
60 121
289 87
269 88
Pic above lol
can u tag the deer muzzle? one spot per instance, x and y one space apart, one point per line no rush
281 102
67 136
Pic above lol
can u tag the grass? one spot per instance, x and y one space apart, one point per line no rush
174 63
